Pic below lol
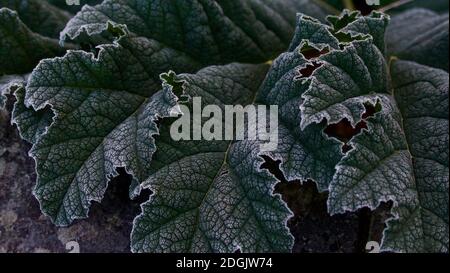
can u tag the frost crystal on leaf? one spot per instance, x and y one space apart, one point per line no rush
100 98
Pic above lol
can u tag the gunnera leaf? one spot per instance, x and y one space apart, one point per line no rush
87 114
197 184
210 31
304 154
104 110
402 156
31 124
419 35
212 196
84 91
39 15
421 94
27 48
24 43
348 78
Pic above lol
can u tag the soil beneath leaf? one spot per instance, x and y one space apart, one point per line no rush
23 228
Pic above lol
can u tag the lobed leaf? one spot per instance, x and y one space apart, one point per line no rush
211 31
212 196
403 157
92 134
344 82
304 154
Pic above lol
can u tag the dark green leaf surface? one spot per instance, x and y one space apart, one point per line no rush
403 157
419 35
314 32
92 133
211 31
212 196
374 25
19 43
88 114
40 16
343 83
422 97
306 154
30 123
348 77
309 154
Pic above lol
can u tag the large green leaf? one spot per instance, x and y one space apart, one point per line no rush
25 27
212 196
194 208
403 157
104 118
421 94
19 43
405 142
307 154
40 16
89 113
83 90
346 78
211 31
419 35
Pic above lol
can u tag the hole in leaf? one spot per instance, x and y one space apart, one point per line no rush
313 228
307 71
372 224
273 166
344 131
122 184
340 22
371 110
170 78
310 52
91 48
